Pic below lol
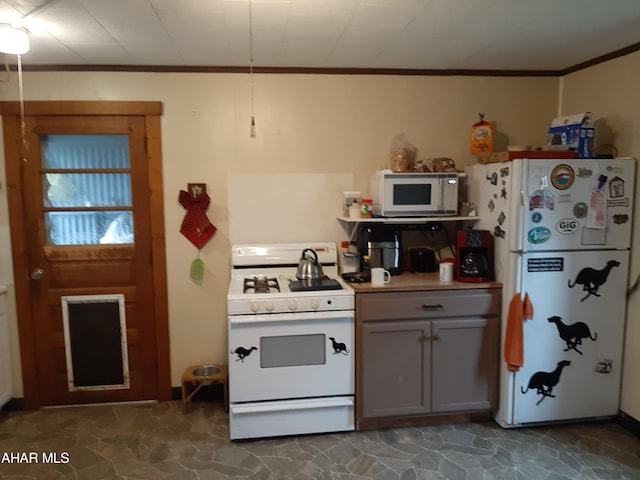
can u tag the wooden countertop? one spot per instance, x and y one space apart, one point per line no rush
411 282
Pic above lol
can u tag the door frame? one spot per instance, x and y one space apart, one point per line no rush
13 152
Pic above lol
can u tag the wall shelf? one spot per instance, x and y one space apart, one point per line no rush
352 225
405 220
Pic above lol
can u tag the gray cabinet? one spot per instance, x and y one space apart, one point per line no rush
427 353
5 355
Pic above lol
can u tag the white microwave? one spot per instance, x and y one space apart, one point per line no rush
414 194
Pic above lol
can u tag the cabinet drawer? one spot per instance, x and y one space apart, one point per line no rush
431 304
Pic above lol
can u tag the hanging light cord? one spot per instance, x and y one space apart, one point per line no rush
253 120
23 126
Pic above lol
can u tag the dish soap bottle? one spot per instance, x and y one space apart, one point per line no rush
481 137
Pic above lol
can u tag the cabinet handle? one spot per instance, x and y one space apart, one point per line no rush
424 338
435 337
432 307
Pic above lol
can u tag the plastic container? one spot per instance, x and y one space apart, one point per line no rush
366 207
355 210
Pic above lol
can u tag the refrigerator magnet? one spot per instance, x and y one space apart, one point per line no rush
620 218
543 382
592 279
619 202
580 210
573 334
538 235
542 199
585 172
604 366
562 177
567 226
616 187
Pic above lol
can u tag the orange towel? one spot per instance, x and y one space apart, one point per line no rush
519 310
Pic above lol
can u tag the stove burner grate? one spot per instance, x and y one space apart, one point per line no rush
261 284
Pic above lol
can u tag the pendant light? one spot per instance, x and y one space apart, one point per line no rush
13 40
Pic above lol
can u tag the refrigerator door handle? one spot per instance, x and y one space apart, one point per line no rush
522 200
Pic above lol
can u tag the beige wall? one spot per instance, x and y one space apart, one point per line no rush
610 91
305 124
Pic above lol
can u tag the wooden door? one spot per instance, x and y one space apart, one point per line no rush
85 205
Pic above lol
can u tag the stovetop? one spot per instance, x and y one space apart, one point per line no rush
263 281
284 299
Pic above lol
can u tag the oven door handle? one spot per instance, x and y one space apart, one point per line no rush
291 317
328 402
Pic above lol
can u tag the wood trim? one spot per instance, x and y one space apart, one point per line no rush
603 58
331 71
94 108
158 249
290 70
13 167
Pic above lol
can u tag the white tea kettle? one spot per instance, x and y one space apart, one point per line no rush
309 268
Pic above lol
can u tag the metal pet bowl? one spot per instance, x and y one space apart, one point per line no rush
205 371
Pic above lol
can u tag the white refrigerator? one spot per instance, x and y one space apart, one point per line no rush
562 233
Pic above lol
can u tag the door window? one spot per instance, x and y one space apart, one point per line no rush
86 183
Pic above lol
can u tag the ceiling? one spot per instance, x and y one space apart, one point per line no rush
512 35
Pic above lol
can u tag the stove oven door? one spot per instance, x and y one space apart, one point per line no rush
291 355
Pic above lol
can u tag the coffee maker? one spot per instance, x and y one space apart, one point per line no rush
474 256
381 244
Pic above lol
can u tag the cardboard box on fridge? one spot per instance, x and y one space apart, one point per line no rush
577 131
531 154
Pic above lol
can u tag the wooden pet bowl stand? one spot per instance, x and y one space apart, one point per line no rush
192 382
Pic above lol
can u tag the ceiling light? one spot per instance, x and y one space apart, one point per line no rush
13 40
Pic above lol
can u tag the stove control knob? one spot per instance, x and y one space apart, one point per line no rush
254 306
269 306
292 305
315 304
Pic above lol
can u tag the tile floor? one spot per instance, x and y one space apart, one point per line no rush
159 441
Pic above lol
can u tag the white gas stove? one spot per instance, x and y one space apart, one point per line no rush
291 365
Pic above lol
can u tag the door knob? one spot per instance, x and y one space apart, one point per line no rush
37 274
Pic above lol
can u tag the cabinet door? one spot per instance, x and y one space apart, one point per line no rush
464 364
395 366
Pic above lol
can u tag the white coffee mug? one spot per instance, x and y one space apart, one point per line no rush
380 276
446 272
